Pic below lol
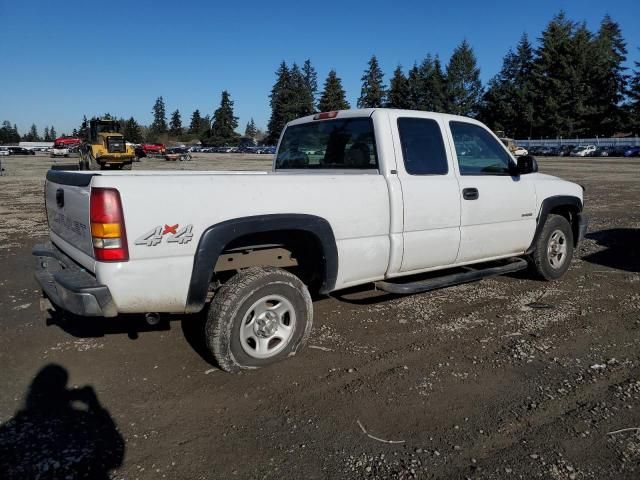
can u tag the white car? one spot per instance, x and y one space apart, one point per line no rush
520 152
583 151
4 152
394 193
60 151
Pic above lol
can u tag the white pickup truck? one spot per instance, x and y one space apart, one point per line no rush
355 197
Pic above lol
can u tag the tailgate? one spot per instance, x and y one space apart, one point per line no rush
67 196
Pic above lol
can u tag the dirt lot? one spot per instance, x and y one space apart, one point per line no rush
506 378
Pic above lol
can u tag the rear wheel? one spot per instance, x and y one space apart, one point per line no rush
260 316
554 248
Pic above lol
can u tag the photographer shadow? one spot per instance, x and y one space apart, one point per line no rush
60 433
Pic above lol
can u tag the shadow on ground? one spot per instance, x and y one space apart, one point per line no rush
622 249
60 433
83 327
193 328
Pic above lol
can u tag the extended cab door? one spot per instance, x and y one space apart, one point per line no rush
498 210
430 191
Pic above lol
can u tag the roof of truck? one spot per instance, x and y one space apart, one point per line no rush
367 112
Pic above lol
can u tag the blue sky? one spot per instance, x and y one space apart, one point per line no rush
60 60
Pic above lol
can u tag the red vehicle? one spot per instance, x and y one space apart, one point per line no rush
67 141
153 148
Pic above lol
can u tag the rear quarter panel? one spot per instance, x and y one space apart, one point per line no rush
156 278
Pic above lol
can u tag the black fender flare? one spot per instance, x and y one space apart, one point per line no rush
549 204
216 237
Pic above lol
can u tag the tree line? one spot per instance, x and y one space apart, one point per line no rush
9 134
573 83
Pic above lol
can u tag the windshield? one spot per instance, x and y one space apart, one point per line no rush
333 144
108 127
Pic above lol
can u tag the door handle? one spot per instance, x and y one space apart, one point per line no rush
470 193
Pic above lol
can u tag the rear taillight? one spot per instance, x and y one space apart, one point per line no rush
107 226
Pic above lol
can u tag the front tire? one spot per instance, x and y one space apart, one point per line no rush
554 248
260 316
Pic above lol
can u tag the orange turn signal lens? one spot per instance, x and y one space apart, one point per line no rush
105 230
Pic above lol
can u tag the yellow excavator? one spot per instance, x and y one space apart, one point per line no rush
104 147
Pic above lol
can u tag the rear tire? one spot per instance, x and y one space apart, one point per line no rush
553 251
260 316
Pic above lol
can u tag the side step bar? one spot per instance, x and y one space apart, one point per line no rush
419 286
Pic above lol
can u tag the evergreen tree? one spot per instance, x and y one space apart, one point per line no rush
634 98
196 125
251 131
301 95
175 127
553 74
310 80
280 99
9 134
609 80
508 101
373 93
159 124
52 133
46 136
427 86
399 95
132 132
32 136
333 96
84 127
224 123
415 88
464 89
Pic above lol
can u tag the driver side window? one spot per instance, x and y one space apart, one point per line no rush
477 151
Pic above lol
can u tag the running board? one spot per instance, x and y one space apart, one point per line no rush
514 265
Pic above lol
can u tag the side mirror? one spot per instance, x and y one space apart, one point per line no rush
527 164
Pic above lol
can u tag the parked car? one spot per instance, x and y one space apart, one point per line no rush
583 151
551 151
60 150
177 153
600 152
20 151
4 152
251 247
565 150
632 152
617 151
520 151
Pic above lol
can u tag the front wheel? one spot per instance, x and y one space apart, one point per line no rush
260 316
554 248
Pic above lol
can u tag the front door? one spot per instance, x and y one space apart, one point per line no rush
497 208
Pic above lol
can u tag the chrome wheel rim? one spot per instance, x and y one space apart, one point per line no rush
557 249
267 327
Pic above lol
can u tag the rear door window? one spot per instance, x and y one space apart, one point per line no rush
422 146
329 144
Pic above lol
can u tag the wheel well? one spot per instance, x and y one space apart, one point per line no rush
297 251
570 212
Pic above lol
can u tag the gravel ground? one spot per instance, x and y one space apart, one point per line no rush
505 378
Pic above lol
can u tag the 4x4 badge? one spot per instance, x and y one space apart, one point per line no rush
171 232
